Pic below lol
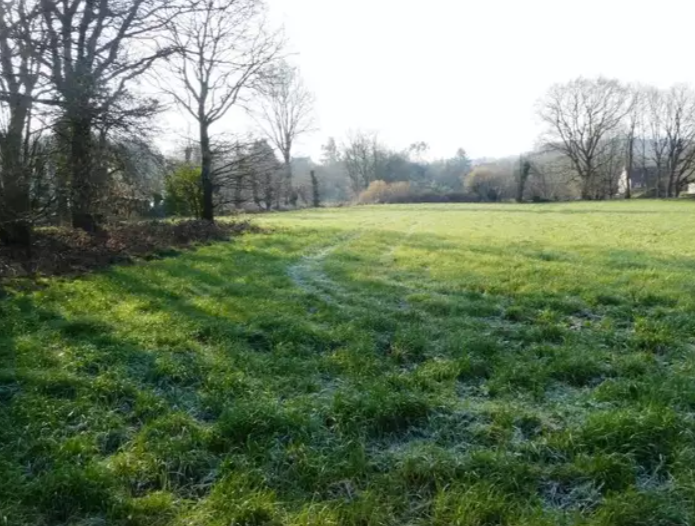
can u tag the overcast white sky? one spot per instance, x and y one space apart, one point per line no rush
464 73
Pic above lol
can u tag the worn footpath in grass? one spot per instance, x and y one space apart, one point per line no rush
448 364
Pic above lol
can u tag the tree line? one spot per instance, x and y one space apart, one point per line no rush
349 167
76 119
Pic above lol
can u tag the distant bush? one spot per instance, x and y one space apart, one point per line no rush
381 192
490 183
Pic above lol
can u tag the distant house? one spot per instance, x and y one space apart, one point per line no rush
645 180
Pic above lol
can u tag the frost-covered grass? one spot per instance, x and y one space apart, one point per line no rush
443 364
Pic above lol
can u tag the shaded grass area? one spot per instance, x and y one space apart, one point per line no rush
385 365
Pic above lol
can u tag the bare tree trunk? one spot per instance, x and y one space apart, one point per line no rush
84 215
18 78
208 211
671 178
629 164
587 188
628 186
15 226
315 189
288 189
658 178
643 163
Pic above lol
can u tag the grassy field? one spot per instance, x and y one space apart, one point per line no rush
447 365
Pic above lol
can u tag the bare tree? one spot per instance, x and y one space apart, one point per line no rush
361 155
19 76
679 128
286 112
95 50
655 129
224 47
632 127
580 115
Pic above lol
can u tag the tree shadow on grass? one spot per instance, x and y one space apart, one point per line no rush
62 416
45 405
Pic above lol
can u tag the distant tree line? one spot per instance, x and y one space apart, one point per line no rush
349 168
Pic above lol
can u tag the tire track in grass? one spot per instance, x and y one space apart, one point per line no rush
308 273
309 276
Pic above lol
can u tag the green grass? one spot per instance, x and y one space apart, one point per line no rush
448 365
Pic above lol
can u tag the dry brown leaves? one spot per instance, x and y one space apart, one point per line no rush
62 251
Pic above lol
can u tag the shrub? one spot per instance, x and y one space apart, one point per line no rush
184 196
383 192
489 183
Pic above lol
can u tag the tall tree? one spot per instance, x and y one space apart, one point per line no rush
19 75
95 52
224 49
580 116
286 112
